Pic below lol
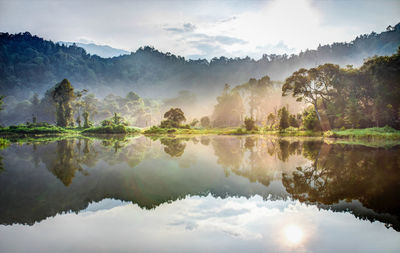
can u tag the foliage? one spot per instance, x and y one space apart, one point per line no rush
63 96
283 115
312 85
255 92
194 122
175 115
25 55
4 143
250 124
32 129
293 121
366 133
229 110
111 129
205 121
310 120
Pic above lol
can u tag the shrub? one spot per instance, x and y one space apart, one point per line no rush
310 120
250 124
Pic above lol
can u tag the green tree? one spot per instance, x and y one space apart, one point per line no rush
63 96
250 124
310 120
312 85
293 121
283 115
117 119
86 122
175 115
271 119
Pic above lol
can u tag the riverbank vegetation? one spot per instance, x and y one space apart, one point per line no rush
332 102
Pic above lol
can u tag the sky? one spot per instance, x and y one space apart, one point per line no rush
201 29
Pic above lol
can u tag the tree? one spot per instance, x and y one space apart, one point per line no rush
86 122
255 91
229 110
194 122
353 114
310 120
271 119
250 124
283 115
205 121
117 119
79 104
312 85
1 102
175 115
293 121
63 96
132 96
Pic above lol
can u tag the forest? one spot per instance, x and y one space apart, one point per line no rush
316 99
330 97
30 64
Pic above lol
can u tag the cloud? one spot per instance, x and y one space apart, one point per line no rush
231 28
186 28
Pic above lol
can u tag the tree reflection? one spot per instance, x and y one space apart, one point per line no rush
310 171
66 162
348 172
174 146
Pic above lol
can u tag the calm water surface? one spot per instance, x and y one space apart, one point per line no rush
201 194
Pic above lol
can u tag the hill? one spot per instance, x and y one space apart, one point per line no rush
31 64
99 50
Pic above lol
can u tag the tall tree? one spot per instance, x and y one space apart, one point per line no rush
229 110
64 95
313 85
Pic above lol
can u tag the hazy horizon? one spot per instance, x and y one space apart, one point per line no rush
201 29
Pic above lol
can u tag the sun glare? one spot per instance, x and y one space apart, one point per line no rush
294 234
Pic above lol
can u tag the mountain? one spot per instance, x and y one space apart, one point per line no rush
31 64
99 50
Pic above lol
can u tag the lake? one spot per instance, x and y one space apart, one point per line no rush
199 194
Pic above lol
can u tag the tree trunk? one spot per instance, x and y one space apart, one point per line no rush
319 117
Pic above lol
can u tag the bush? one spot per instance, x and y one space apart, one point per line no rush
240 131
250 124
169 124
106 122
310 120
111 129
159 130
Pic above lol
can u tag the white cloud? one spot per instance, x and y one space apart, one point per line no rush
231 28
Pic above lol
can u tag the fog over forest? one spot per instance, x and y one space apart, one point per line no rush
143 85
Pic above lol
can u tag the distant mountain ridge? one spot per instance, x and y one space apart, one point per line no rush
31 64
99 50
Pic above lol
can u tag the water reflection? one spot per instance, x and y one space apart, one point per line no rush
360 180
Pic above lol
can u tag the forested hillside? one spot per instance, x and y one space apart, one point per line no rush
31 64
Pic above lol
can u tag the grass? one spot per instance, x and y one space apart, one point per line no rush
4 143
155 130
112 129
42 130
24 129
375 133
